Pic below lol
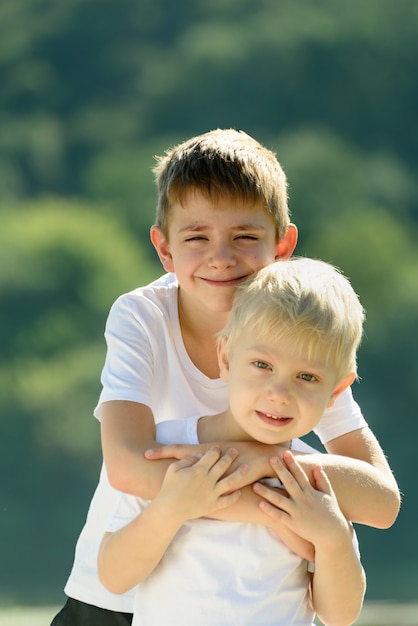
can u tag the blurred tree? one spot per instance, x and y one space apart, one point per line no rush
61 266
91 76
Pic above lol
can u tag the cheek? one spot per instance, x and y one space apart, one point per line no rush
244 389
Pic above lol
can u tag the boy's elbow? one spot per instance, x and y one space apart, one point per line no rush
118 479
390 512
108 579
387 507
112 585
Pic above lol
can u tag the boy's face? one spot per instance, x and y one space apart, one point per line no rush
213 247
275 393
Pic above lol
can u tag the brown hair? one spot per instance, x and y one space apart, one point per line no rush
222 163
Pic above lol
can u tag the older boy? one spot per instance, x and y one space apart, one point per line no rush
222 215
288 351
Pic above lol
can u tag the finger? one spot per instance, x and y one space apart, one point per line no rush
276 497
290 472
175 451
162 452
210 458
233 481
183 463
322 482
228 499
275 513
217 462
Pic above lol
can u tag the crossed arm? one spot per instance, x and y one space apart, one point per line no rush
365 488
195 488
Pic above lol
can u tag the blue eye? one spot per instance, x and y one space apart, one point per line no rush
308 377
261 365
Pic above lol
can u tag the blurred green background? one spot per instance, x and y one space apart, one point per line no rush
90 91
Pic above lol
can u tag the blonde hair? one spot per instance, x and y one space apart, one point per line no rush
222 163
308 299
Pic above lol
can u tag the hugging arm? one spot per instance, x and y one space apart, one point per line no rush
369 478
191 488
356 466
128 430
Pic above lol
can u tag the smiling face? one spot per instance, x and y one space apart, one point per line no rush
212 247
276 393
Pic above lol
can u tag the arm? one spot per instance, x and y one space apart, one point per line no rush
360 476
192 488
128 429
377 486
338 584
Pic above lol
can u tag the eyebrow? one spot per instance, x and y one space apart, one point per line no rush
303 362
239 227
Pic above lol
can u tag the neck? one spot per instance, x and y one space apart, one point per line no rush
199 331
200 323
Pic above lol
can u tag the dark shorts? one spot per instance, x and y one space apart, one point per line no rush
76 613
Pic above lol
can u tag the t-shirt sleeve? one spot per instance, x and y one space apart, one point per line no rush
127 508
340 419
128 370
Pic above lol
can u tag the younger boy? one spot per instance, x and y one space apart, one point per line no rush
287 352
222 215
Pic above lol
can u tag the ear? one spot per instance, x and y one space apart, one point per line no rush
223 360
342 386
162 247
287 243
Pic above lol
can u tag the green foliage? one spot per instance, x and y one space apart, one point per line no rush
62 264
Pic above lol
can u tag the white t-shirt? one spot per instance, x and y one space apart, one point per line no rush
219 573
147 362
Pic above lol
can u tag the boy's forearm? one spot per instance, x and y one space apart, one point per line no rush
129 555
127 431
256 456
338 584
139 477
366 490
363 493
364 485
380 484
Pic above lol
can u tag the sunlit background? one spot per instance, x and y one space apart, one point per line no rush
90 91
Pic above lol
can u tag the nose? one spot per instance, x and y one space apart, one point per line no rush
279 392
221 256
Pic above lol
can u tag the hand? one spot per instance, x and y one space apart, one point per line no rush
311 512
176 451
197 486
253 454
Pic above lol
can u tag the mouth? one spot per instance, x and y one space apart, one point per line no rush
218 282
275 420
